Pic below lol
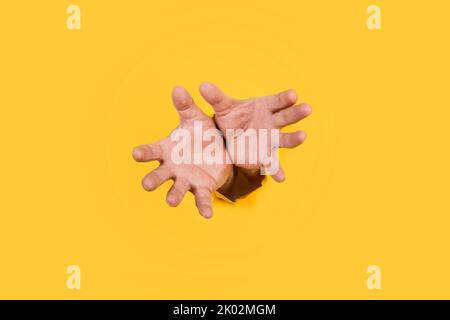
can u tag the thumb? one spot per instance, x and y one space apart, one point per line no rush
184 104
221 102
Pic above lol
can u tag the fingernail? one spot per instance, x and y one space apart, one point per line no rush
302 135
292 96
306 108
148 185
137 154
171 200
207 213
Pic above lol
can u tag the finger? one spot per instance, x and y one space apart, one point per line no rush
203 202
177 192
148 152
282 100
279 175
291 115
271 166
221 102
184 104
156 178
292 139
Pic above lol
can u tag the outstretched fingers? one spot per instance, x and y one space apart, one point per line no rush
203 202
279 176
292 139
271 166
184 104
148 152
176 193
291 115
156 178
281 100
221 102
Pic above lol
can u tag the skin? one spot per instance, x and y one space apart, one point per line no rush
270 112
200 179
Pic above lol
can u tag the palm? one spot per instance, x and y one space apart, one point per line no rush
270 112
201 179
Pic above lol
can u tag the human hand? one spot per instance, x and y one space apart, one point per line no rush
201 179
269 112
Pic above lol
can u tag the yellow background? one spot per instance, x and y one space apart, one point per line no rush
370 185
